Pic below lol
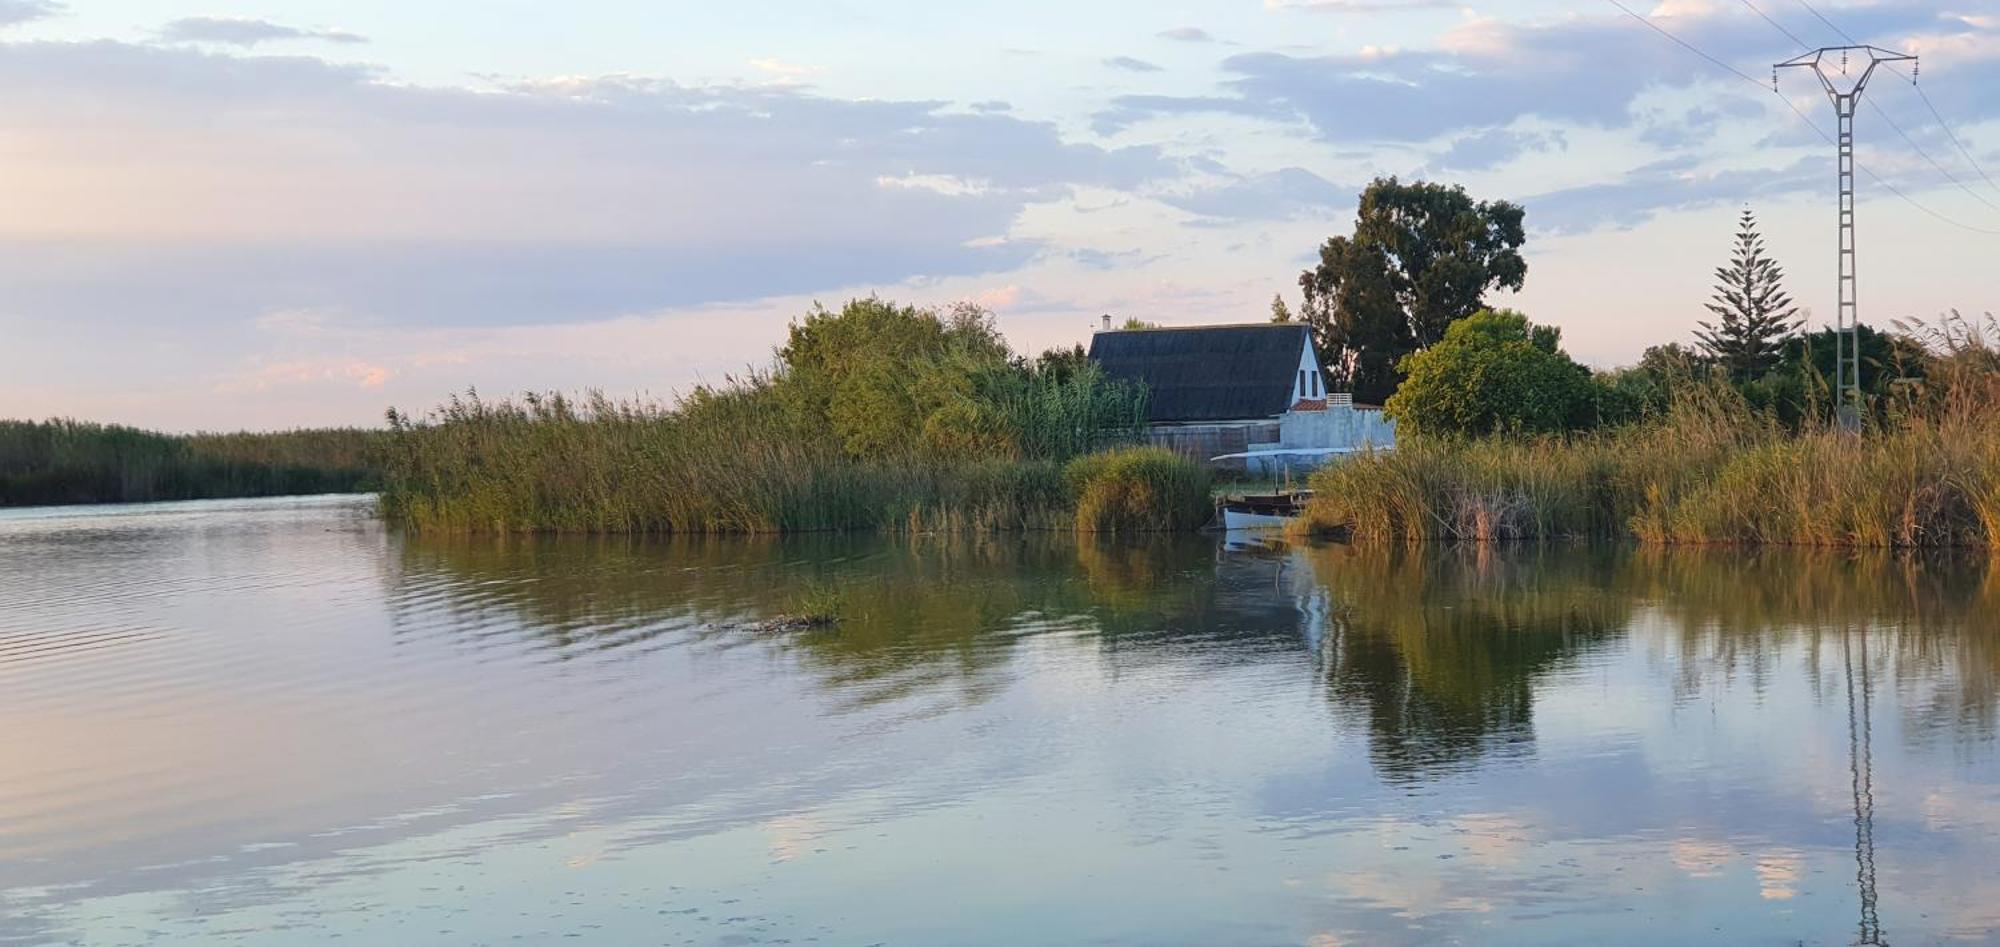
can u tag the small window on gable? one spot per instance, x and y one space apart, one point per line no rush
1302 383
1315 383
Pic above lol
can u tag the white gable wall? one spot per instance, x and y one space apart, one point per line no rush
1307 382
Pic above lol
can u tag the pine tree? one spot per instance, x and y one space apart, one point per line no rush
1279 311
1755 318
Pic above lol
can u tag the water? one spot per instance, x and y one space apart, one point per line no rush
275 722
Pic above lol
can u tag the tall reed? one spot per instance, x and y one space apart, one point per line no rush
720 461
1711 470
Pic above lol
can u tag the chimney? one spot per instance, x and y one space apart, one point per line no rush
1107 322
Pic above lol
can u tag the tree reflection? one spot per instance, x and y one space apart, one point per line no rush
1438 651
934 617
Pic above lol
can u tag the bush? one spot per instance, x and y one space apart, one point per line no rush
1493 372
1139 489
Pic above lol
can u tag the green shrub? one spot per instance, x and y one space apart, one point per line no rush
1493 372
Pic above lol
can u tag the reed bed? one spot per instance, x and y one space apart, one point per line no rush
62 461
735 462
1924 472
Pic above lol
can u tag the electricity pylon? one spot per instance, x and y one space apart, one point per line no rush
1847 318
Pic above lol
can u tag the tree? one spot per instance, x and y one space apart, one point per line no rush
874 373
1754 315
1422 257
1494 372
1279 311
1133 323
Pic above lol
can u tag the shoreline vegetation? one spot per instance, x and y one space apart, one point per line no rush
1707 468
64 462
874 417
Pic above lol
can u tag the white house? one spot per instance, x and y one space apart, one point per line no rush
1248 396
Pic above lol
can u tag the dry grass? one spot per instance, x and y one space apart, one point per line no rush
1926 472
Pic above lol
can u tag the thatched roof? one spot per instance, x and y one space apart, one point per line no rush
1207 373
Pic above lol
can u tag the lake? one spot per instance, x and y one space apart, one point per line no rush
276 722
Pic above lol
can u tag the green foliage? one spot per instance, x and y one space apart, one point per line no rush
898 384
1493 372
78 462
876 417
1754 315
1422 256
1139 489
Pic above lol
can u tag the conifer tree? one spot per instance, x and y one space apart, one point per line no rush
1754 316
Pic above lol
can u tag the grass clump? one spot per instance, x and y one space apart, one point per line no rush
820 604
1139 489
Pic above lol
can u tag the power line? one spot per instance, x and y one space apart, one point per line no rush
1952 135
1829 24
1740 74
1879 110
1780 27
1925 96
1684 44
1981 198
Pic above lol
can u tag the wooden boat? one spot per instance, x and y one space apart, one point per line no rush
1263 511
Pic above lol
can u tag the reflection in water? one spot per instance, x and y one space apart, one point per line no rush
1440 652
1860 759
280 721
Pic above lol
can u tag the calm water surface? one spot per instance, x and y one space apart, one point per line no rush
275 722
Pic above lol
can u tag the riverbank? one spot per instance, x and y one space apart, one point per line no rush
1711 470
719 467
874 417
52 463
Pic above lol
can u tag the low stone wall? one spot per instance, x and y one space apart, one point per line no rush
1200 442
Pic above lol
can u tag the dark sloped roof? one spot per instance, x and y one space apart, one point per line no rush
1207 373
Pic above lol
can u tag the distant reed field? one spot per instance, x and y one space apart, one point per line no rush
59 462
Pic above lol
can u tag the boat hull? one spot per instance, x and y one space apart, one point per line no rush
1251 520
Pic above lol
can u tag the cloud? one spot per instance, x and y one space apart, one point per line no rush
1672 184
785 71
21 11
1130 64
1493 147
245 31
1187 34
1285 194
264 377
172 186
1361 6
1585 70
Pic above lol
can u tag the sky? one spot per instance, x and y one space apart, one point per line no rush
233 214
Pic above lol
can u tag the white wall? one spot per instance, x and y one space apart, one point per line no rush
1337 426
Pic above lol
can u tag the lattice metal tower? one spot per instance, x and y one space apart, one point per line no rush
1847 317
